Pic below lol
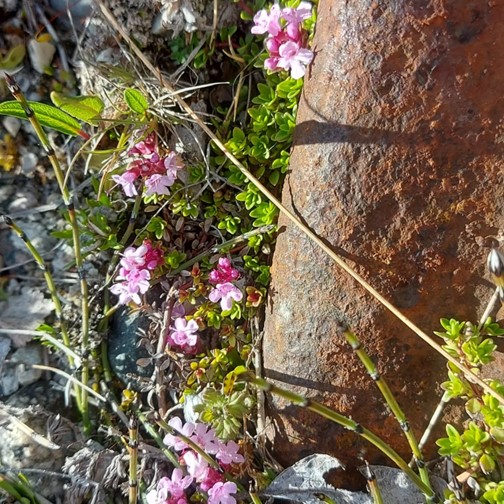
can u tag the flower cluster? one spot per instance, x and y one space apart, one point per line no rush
285 38
158 173
224 291
134 273
184 336
209 479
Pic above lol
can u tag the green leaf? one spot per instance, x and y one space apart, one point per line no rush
136 101
14 58
486 463
497 434
48 116
84 108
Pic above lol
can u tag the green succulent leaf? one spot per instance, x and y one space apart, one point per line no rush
487 464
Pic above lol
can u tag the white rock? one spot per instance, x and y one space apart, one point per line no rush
12 125
26 311
28 162
24 358
22 201
41 54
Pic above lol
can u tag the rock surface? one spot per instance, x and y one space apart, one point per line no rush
398 164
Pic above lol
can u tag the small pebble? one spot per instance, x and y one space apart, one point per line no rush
12 125
24 357
41 54
22 201
28 162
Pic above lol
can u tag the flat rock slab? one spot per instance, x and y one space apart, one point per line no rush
398 164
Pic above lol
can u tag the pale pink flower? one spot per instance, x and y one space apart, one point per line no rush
153 497
228 453
135 282
125 295
197 466
184 332
127 181
178 483
170 491
158 184
298 14
220 493
173 441
225 292
223 273
157 173
172 164
295 58
134 257
138 281
204 437
267 21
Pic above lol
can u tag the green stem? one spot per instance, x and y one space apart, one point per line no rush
52 290
133 461
189 442
372 485
347 423
44 140
157 438
382 385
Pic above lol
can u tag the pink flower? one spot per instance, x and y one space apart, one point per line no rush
178 483
158 184
134 274
135 282
285 38
153 257
158 173
173 441
225 292
127 181
228 453
170 491
295 58
213 476
197 466
184 333
224 272
125 295
204 437
271 64
220 493
297 15
133 258
267 22
172 164
138 281
146 147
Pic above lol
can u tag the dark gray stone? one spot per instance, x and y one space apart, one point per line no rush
123 351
